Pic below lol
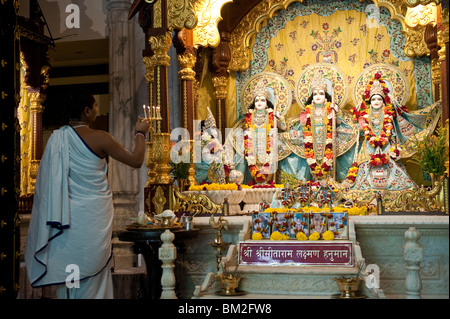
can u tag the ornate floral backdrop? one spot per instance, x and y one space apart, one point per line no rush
352 35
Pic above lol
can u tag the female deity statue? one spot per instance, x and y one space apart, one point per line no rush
260 136
322 142
377 166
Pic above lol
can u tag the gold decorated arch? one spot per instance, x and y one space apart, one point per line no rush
243 36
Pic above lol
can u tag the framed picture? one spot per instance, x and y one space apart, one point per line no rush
318 222
299 223
281 223
262 223
338 224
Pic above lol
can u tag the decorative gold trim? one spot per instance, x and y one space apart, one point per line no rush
181 14
421 15
159 200
161 45
443 35
244 34
37 99
187 63
416 200
206 33
157 15
162 158
220 87
150 67
195 203
413 3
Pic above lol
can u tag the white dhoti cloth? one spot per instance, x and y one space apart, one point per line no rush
71 221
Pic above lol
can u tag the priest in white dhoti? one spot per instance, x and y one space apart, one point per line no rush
69 238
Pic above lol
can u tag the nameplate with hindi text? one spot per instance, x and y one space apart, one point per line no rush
326 253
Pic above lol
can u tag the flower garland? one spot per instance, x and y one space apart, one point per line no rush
352 173
374 140
257 175
286 197
304 192
316 169
378 160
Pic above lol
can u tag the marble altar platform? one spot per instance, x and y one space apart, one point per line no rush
381 240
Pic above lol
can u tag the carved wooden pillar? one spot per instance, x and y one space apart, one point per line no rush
34 48
220 60
443 42
432 43
150 79
187 60
37 99
160 45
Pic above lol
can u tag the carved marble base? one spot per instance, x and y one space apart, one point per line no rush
289 280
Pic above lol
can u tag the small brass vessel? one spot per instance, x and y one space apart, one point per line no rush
349 287
228 284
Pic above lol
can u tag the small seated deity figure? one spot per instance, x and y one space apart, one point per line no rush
325 194
211 168
304 193
378 165
285 198
263 205
260 134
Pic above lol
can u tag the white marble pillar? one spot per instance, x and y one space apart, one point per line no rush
167 254
124 180
413 256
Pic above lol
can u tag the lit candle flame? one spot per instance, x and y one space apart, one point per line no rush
145 111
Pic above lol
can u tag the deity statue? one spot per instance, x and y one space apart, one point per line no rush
260 134
382 130
210 169
304 193
324 194
322 142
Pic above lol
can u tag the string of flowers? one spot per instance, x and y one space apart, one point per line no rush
378 159
352 173
327 164
257 175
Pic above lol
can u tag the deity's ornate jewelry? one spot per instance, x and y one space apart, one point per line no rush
261 90
318 83
259 120
377 88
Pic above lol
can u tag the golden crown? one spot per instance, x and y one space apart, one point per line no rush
261 90
377 88
318 83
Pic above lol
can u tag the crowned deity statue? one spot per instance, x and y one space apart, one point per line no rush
211 168
322 142
260 135
385 128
